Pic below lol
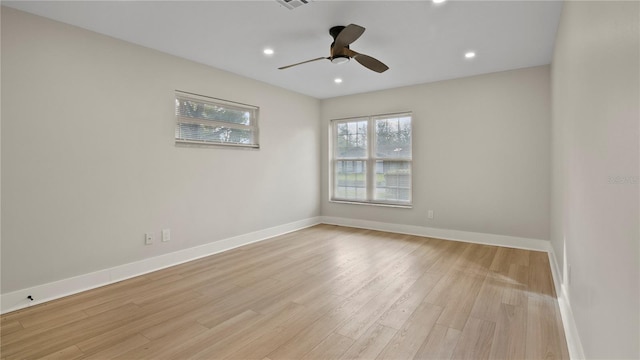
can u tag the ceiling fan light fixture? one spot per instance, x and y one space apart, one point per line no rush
340 59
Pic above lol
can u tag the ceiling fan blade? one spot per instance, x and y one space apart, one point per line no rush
300 63
348 35
369 62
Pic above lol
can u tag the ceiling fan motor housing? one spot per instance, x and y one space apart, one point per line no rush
334 31
338 56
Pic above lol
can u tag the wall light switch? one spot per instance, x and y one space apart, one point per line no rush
166 234
430 214
148 239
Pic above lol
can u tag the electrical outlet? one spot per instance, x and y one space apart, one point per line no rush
430 214
166 234
148 239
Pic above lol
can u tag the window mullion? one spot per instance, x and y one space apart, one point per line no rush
370 159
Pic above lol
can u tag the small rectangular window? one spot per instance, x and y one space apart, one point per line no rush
210 121
371 159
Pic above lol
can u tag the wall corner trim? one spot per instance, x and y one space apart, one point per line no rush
17 300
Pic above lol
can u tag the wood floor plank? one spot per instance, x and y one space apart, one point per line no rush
515 292
510 333
544 338
128 344
309 337
475 259
151 291
440 343
408 340
61 316
147 316
505 257
9 327
156 348
500 263
332 347
540 280
425 256
320 293
220 334
68 353
449 254
270 271
371 343
216 290
367 315
229 307
305 292
312 335
409 301
245 340
393 263
269 341
455 293
489 300
37 343
475 340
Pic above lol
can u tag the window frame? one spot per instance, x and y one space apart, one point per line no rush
226 104
370 161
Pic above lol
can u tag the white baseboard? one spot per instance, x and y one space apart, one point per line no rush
42 293
446 234
574 344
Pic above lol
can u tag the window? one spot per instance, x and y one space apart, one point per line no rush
206 120
371 159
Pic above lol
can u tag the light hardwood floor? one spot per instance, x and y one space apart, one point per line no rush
325 292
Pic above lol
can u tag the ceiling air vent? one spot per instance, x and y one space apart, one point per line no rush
292 4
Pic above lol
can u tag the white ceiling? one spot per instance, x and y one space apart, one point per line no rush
419 41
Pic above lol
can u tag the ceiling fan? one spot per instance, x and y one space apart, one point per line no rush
343 36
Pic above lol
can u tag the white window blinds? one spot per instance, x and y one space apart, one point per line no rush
209 121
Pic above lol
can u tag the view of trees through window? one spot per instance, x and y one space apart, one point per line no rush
377 170
208 122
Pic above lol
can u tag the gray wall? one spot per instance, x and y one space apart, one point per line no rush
89 162
481 153
595 216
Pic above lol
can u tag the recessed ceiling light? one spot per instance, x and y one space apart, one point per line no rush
438 1
268 51
337 80
470 55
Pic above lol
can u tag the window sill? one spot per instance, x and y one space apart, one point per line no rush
401 206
